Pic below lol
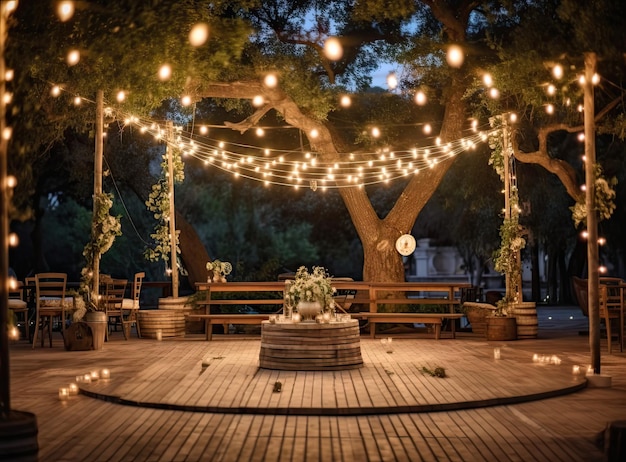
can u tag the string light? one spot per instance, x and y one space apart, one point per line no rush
557 72
420 98
165 72
73 57
199 34
455 56
392 81
65 10
333 49
345 101
270 80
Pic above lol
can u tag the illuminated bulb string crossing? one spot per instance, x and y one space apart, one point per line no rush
305 169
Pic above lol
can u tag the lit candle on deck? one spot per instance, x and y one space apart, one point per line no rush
159 335
326 318
295 317
87 378
576 369
105 374
94 375
496 353
73 389
64 393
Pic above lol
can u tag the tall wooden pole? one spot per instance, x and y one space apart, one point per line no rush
97 183
170 184
592 222
5 189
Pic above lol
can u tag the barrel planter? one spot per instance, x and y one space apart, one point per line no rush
526 318
97 321
170 323
18 437
501 328
183 305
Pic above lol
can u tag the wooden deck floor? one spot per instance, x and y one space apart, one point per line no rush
193 400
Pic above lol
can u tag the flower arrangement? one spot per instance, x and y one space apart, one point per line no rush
220 270
311 287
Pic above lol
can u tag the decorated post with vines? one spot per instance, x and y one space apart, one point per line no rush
507 259
161 203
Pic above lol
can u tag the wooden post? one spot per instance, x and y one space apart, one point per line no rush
592 221
5 395
170 183
97 185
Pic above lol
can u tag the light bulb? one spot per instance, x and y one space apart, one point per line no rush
73 57
165 72
199 34
455 56
333 49
345 101
270 80
65 10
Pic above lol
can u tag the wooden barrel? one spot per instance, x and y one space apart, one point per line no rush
310 346
18 437
171 323
526 317
501 328
183 305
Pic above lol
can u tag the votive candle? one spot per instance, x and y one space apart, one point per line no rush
73 389
95 375
87 378
105 374
159 335
326 317
496 353
64 393
576 369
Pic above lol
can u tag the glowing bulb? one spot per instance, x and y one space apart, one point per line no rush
121 96
428 129
581 137
581 80
487 80
7 98
375 132
392 81
185 100
551 90
454 56
165 72
602 269
73 57
557 71
513 117
199 34
13 240
270 80
550 109
11 181
258 101
420 98
601 241
65 10
314 133
333 49
595 79
204 130
345 101
7 133
584 234
494 93
10 6
260 132
8 75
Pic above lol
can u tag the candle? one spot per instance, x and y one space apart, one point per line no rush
105 374
94 375
296 317
159 335
326 317
535 358
496 353
14 333
87 378
73 389
576 369
64 393
590 370
79 378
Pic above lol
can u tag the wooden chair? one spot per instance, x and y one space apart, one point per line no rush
112 302
50 303
582 294
18 305
611 308
130 306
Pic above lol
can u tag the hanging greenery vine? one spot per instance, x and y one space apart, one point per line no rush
159 204
507 258
104 229
604 199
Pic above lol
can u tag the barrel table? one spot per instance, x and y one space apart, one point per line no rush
163 323
310 346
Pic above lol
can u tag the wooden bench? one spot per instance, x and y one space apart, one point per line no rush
434 319
226 319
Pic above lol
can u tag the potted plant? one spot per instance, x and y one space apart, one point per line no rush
218 270
311 293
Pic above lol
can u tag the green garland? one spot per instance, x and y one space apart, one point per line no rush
159 204
604 199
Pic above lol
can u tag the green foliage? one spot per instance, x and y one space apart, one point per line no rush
604 199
